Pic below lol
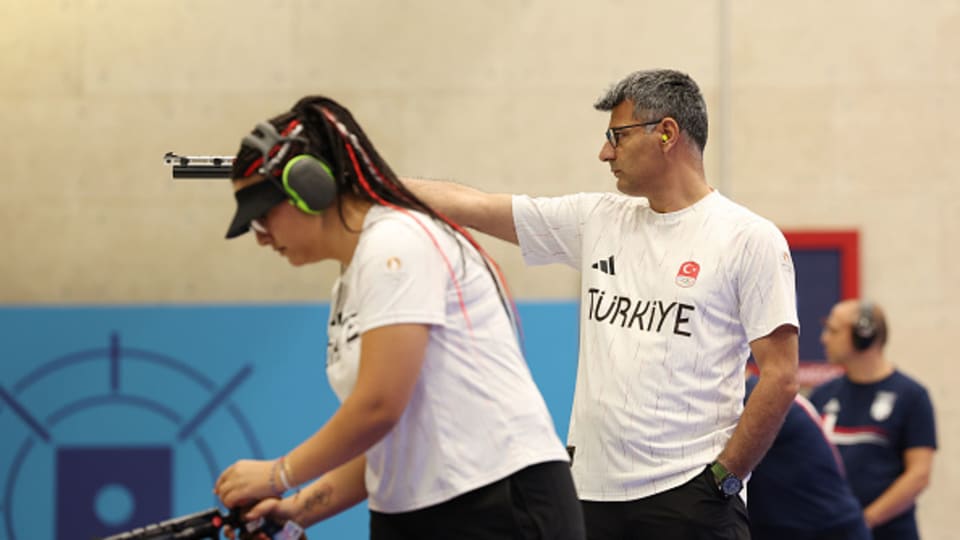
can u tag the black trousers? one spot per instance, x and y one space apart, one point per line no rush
535 503
692 511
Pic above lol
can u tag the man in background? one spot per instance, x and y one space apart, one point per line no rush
881 420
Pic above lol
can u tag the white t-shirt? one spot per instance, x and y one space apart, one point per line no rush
669 305
475 415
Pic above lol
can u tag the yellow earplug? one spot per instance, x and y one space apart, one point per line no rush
664 137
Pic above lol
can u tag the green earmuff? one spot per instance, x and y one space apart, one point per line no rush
309 183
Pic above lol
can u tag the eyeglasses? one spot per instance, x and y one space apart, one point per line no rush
613 134
258 226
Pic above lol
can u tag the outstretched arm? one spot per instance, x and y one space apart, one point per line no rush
777 357
903 492
489 213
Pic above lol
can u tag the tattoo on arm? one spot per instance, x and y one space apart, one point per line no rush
318 497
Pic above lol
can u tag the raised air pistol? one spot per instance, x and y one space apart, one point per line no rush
199 167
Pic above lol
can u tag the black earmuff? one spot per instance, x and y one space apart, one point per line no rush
865 328
306 179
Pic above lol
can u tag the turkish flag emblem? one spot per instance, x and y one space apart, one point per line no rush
687 276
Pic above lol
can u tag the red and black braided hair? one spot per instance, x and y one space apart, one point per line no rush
331 134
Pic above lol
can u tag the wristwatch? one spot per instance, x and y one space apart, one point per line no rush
727 482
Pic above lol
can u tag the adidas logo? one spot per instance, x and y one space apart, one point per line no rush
605 265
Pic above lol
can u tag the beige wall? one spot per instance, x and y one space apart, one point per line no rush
824 115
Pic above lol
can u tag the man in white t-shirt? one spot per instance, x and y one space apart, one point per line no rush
679 286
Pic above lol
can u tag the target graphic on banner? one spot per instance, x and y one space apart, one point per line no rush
106 439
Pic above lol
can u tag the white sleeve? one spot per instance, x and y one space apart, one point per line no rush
402 276
549 229
768 294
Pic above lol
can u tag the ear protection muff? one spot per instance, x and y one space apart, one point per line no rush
309 183
865 327
306 179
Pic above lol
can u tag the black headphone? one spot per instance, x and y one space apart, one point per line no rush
865 328
307 180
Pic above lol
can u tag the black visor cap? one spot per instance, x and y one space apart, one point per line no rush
253 202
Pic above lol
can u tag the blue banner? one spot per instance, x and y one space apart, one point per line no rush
116 417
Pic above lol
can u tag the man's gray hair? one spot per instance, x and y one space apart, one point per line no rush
660 93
